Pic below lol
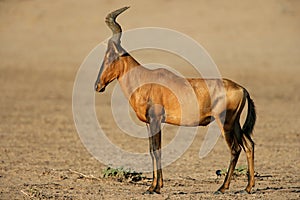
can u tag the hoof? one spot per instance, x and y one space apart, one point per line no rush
242 192
218 192
148 192
157 190
151 192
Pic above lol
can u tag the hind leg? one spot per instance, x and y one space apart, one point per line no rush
249 149
235 150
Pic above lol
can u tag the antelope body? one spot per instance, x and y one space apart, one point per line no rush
151 95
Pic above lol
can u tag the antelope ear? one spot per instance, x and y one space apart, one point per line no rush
113 51
118 49
115 47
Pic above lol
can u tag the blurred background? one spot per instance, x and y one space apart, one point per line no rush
42 44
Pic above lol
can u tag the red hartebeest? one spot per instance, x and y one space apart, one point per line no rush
155 103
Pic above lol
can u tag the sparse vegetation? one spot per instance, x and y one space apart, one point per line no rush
239 171
122 174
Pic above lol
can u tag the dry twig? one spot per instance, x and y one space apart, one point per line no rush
84 176
25 193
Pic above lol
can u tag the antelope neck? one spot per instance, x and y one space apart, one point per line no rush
130 74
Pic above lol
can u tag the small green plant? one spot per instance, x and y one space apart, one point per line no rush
122 174
239 171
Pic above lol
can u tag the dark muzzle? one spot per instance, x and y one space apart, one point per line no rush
99 88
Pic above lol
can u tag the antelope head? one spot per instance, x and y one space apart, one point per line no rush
109 71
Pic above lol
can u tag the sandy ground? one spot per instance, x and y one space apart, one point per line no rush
43 43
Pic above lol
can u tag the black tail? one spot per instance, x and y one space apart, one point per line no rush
251 118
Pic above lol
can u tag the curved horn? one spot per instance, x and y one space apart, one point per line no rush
113 25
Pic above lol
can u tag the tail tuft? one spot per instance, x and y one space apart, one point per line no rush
251 117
